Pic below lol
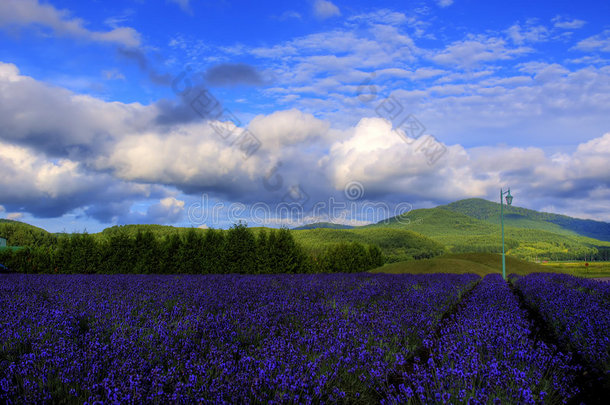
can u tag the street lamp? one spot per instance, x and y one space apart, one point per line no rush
509 201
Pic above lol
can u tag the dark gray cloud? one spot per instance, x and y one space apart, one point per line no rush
43 206
101 196
167 210
136 55
232 74
173 112
107 212
193 102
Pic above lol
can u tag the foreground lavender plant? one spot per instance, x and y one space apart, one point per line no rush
578 312
213 339
484 354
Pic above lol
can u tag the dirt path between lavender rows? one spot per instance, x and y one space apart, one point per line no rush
603 279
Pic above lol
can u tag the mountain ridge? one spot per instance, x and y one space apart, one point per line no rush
527 235
522 217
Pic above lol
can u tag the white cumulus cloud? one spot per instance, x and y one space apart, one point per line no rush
24 13
599 42
168 210
567 24
325 9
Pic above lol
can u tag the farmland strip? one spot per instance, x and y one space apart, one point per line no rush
485 354
580 320
587 379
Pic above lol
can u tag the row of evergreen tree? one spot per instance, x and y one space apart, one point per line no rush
237 250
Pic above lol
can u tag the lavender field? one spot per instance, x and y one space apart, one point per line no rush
347 338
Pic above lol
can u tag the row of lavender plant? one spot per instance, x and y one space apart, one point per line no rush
213 339
590 286
485 354
577 311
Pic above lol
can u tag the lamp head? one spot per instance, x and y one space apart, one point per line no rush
509 198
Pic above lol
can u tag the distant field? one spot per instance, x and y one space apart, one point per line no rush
487 263
595 269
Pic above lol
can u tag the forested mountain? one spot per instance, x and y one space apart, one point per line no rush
473 226
525 218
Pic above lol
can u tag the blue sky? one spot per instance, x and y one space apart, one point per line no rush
196 113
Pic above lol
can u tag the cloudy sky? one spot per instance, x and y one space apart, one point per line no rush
200 113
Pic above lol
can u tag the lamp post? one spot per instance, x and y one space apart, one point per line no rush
509 201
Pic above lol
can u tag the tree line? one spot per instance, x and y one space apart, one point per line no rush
238 250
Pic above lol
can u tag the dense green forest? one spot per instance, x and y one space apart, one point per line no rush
238 250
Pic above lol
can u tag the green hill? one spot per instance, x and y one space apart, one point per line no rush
396 244
19 233
525 237
328 225
437 222
159 231
453 230
525 218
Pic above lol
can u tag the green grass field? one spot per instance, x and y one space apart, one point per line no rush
486 263
594 269
396 244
